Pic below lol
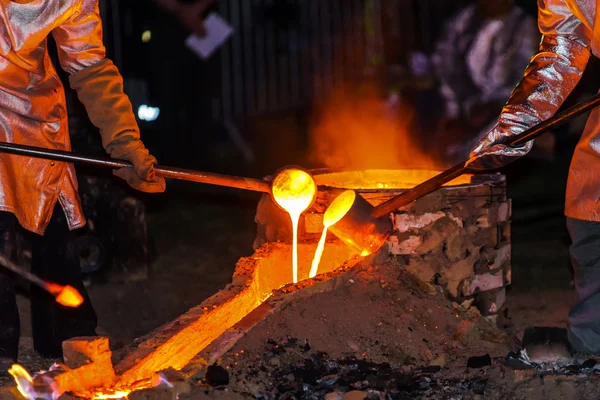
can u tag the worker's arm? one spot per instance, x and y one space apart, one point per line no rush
99 86
550 77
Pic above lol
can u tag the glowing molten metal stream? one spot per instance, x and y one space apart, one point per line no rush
336 211
294 190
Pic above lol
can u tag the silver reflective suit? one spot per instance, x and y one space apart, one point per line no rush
571 32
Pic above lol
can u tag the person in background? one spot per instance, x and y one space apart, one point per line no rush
41 195
571 33
477 61
190 14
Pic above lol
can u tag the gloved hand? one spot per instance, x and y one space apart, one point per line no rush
490 154
142 176
100 89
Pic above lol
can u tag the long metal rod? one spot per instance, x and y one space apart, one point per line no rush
255 185
439 180
9 265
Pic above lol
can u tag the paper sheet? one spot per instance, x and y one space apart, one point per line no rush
217 33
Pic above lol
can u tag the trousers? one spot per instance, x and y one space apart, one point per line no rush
53 258
584 317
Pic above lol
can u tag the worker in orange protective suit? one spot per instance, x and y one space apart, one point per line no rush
41 195
571 32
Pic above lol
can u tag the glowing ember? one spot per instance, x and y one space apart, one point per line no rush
69 297
114 395
294 190
117 394
336 211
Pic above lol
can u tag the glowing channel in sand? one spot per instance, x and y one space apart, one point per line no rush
336 211
294 190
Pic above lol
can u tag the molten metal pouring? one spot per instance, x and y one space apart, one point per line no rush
366 228
336 211
294 190
67 296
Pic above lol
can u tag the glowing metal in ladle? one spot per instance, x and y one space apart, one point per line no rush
294 190
336 211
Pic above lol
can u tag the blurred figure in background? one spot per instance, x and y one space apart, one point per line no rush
477 61
189 13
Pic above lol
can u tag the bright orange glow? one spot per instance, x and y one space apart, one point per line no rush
384 179
69 297
356 129
117 394
336 211
338 208
294 190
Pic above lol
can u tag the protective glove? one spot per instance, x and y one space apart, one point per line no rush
490 153
100 89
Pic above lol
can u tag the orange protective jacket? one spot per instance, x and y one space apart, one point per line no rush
32 102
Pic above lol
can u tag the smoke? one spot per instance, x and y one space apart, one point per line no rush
357 130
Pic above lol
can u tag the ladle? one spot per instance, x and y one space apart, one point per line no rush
367 228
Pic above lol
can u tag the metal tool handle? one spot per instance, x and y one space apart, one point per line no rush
255 185
517 140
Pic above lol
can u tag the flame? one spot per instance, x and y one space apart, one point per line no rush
335 212
69 297
294 190
356 129
23 380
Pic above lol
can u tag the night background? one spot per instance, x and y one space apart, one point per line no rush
259 103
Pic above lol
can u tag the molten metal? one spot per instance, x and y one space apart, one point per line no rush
387 179
67 296
336 211
294 190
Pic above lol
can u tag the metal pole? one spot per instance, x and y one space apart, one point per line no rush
251 184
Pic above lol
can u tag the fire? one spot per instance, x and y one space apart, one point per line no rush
44 386
294 190
356 129
23 380
336 211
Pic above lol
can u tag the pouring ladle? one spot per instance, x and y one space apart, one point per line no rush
366 228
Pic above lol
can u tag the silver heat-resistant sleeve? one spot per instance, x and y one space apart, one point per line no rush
550 77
